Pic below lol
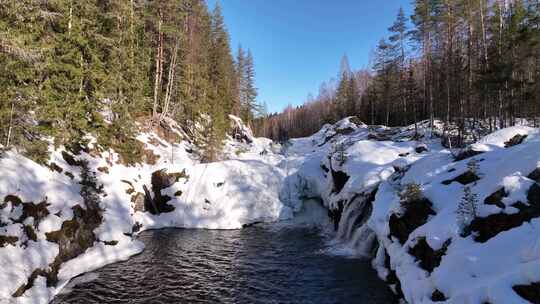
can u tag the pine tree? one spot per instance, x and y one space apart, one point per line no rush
250 107
241 81
342 95
468 208
398 39
352 97
386 71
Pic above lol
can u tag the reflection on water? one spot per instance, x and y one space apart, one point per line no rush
253 265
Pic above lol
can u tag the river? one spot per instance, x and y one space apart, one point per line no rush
277 263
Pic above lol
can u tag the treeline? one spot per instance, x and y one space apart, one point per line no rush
72 68
461 61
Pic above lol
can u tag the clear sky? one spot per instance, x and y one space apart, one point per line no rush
297 44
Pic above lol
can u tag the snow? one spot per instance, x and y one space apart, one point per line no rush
470 272
261 181
224 195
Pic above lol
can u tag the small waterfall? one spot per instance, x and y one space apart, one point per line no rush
352 230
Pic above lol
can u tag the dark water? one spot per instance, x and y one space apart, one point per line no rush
254 265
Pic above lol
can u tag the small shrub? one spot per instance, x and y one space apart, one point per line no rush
38 151
411 192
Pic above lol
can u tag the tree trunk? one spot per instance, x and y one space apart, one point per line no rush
159 63
8 141
170 84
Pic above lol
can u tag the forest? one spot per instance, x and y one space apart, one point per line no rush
465 62
109 68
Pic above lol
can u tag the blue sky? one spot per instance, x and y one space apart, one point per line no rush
297 44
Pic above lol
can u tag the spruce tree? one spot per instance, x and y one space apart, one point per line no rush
250 106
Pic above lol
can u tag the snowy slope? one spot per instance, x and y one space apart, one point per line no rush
359 173
425 251
39 242
478 267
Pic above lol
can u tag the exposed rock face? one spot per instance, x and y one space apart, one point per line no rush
37 211
157 203
496 198
53 166
75 236
392 278
335 214
29 210
239 131
486 228
535 175
421 149
14 200
340 179
415 215
466 153
137 201
429 258
70 159
530 292
514 141
73 239
464 179
5 240
438 296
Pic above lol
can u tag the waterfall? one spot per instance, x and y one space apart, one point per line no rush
353 231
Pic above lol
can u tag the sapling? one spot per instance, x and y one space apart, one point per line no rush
473 166
468 208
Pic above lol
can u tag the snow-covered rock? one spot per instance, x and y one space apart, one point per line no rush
425 252
394 195
443 259
49 232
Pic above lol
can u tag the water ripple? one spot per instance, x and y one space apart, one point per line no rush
254 265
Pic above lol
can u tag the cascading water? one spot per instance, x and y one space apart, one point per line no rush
352 230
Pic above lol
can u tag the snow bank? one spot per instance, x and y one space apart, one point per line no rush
359 172
441 259
456 266
37 202
224 195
